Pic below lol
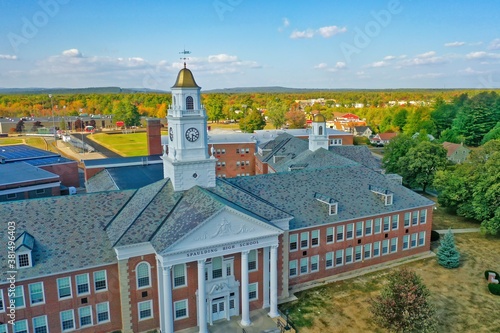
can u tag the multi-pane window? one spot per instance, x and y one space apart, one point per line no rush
21 326
407 219
385 246
100 280
304 240
415 218
348 255
406 239
252 260
314 263
3 328
394 244
82 284
180 309
36 293
395 222
423 216
2 304
303 265
23 260
357 253
145 310
252 291
339 257
19 297
67 320
315 238
64 287
293 268
368 227
421 238
40 324
85 315
217 268
376 249
340 233
329 235
359 229
387 223
189 103
378 222
368 251
329 260
142 272
179 275
102 311
413 240
349 231
293 242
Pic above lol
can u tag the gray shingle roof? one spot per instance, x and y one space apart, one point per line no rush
360 154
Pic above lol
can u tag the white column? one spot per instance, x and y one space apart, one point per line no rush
161 296
273 311
245 302
202 308
265 276
167 289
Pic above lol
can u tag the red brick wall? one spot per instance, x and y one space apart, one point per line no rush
89 173
68 172
154 137
232 156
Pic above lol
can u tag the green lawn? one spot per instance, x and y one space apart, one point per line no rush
444 219
132 144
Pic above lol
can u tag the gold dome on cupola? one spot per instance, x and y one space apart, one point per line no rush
185 79
319 118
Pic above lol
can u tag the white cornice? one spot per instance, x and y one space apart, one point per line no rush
134 250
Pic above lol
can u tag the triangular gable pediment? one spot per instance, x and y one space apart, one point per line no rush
224 227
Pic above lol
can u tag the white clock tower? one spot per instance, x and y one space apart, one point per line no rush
188 162
318 138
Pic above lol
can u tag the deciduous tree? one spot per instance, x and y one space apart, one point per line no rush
276 111
296 118
252 121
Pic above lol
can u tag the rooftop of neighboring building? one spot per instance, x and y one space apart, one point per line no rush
14 174
31 155
451 147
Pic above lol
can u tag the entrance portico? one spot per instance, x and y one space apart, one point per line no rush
225 251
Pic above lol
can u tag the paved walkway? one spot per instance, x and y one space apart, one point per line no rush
459 231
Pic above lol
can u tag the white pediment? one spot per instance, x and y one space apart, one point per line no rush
227 226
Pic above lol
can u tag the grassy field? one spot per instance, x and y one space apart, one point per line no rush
132 144
460 295
37 142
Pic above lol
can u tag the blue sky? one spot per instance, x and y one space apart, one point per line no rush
245 43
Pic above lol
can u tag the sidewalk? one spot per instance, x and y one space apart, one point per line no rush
459 231
68 152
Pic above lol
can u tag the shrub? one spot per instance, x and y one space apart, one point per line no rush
487 273
434 236
494 288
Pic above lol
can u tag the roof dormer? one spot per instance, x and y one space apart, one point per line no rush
24 246
385 195
333 205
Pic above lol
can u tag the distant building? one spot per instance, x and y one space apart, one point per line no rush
365 131
455 152
382 139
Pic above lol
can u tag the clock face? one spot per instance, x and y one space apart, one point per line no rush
171 134
192 134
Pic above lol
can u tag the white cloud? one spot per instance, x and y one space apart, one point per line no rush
470 71
454 44
427 58
302 34
389 57
340 65
330 31
495 44
426 54
427 76
482 55
8 57
75 53
222 58
378 64
321 66
285 24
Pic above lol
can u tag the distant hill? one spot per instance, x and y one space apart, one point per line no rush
90 90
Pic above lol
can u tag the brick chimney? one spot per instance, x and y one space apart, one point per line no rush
154 137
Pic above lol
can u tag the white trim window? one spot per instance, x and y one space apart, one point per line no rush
143 275
387 223
19 297
359 229
368 227
358 253
314 263
145 310
304 240
36 293
414 240
82 284
376 249
293 242
349 233
329 235
179 272
216 268
329 260
102 312
385 247
181 309
368 251
421 238
378 224
406 240
339 258
415 218
253 291
423 216
252 261
407 219
85 316
64 288
304 263
292 266
315 238
21 326
67 320
100 282
340 233
394 245
348 255
2 303
395 222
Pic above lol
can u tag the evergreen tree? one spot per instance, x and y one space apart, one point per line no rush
448 255
403 305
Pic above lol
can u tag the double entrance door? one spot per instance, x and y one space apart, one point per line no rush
223 307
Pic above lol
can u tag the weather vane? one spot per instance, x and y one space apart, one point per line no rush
185 53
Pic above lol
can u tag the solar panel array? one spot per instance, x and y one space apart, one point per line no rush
14 153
